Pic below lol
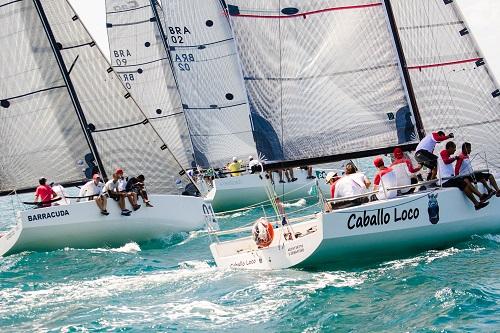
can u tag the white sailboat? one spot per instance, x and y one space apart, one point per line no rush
373 70
191 54
63 109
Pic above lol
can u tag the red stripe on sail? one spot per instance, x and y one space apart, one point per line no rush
444 64
310 12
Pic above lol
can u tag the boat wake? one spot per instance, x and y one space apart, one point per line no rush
300 203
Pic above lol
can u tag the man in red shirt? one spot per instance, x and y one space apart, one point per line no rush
45 193
446 171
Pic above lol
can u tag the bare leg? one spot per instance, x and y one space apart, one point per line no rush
469 193
121 202
493 183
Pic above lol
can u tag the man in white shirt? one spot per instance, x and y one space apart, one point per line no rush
353 183
111 189
93 191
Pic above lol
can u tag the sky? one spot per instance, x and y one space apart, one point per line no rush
482 17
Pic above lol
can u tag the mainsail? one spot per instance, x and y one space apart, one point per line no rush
139 58
209 80
454 88
323 78
54 82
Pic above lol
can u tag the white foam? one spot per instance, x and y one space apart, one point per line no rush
300 203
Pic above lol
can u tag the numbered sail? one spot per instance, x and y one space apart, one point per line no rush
322 77
139 58
209 80
454 88
40 132
122 134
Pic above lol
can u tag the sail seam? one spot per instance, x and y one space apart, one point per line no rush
121 127
173 48
221 134
216 108
431 25
141 64
312 12
130 23
128 10
34 92
92 43
166 116
449 63
248 78
10 3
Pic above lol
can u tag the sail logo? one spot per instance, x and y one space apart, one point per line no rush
44 216
433 208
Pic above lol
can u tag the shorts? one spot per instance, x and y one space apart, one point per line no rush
478 176
455 182
426 158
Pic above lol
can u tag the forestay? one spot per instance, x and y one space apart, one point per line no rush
209 80
454 88
322 77
122 134
139 58
39 130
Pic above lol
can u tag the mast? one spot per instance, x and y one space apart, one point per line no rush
170 61
56 48
404 69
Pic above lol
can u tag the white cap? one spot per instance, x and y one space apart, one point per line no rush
330 175
250 157
235 159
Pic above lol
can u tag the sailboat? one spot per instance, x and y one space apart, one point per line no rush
335 80
188 58
65 115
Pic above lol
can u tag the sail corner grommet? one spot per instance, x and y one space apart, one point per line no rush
209 23
496 93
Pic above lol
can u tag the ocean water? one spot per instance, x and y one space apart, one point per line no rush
172 284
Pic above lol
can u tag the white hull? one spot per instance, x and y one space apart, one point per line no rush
245 190
80 225
363 233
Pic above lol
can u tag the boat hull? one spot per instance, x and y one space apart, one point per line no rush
80 225
246 190
377 230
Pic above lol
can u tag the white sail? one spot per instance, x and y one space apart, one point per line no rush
139 58
39 130
209 80
122 134
322 77
454 88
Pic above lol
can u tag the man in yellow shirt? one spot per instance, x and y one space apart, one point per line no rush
235 167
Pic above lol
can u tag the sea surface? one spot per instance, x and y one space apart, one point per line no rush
173 285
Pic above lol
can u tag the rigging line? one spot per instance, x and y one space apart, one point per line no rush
128 10
216 108
473 124
175 48
33 92
312 12
10 3
442 64
320 76
144 122
281 88
73 64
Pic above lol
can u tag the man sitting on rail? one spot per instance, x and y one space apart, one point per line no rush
403 168
45 193
384 179
447 179
93 191
463 167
